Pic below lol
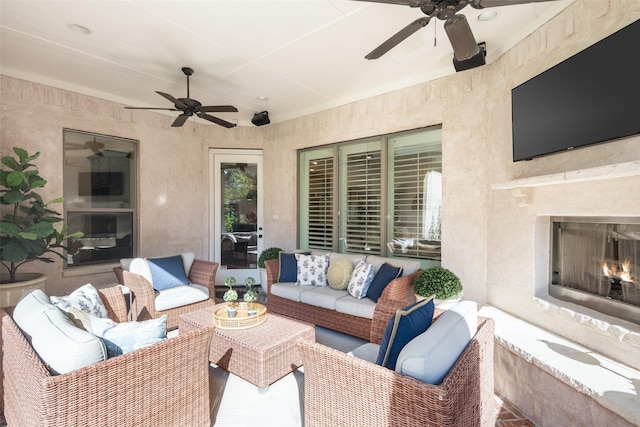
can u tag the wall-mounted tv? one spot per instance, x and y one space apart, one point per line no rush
591 97
100 184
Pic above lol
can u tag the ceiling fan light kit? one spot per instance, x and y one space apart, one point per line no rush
261 119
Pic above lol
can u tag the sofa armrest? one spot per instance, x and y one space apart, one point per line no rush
272 268
401 289
144 297
204 273
115 303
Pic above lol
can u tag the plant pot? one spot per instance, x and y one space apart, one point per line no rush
10 293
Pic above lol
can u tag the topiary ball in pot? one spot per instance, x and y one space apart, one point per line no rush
438 281
267 254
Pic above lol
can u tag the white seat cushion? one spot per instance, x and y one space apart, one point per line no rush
356 307
430 355
368 351
180 296
288 290
322 296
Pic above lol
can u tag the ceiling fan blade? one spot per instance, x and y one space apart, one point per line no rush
480 4
151 108
216 120
218 109
412 3
398 37
179 104
461 38
180 120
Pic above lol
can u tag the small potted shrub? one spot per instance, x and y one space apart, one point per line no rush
265 255
438 281
230 296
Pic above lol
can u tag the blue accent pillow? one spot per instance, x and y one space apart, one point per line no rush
121 338
167 272
289 267
404 326
386 273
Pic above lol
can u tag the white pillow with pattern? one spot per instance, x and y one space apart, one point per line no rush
85 298
361 279
312 270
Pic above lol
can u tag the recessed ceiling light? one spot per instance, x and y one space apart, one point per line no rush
80 29
488 15
262 98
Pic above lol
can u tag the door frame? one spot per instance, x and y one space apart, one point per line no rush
216 157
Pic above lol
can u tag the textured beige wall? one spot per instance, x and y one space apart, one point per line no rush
495 238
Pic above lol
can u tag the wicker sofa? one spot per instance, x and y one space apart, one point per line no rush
397 294
344 390
164 384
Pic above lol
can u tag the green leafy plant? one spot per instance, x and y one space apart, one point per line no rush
250 295
230 295
267 254
27 231
438 281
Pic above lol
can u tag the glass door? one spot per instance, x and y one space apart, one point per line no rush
237 227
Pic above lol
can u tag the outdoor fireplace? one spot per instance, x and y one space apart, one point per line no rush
595 262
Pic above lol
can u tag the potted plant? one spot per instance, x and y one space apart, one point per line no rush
230 296
250 296
265 255
27 227
438 281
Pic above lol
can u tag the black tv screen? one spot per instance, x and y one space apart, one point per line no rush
592 97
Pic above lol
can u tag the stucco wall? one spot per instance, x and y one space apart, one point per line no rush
495 232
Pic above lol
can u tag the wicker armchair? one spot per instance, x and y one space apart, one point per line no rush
342 390
143 304
166 384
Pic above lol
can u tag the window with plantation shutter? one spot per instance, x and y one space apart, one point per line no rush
317 201
360 188
379 196
415 195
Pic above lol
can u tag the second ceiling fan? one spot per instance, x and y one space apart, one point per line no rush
189 107
456 26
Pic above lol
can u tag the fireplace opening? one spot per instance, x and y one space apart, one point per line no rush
595 262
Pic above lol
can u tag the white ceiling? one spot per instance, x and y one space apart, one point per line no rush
304 56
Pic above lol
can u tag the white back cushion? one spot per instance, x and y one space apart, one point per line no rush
55 338
139 265
430 355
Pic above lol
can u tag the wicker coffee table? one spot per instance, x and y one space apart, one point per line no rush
262 354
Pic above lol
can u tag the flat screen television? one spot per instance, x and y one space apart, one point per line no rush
591 97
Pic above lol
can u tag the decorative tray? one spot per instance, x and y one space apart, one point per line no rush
242 319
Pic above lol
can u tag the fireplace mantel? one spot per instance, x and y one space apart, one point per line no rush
617 170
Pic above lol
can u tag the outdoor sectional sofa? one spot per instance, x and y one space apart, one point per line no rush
336 309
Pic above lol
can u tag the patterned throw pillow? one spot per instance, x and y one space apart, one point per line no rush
312 270
85 298
121 338
407 324
361 279
339 273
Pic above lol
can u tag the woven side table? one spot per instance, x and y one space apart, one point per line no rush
262 354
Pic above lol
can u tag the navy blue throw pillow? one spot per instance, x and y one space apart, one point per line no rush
404 326
386 273
288 268
167 272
